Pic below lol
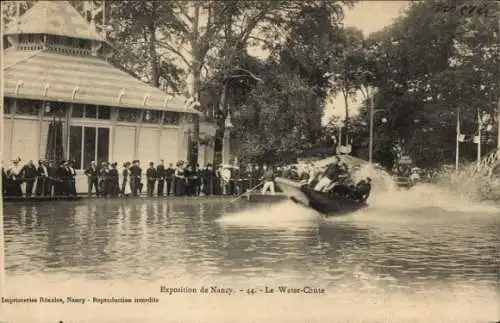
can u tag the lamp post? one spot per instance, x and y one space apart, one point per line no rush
372 117
226 152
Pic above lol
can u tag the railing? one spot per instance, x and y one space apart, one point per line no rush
30 46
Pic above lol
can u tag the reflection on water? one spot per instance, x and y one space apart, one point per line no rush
361 259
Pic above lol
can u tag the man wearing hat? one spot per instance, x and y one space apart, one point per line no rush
29 174
5 182
160 174
169 178
113 181
92 173
207 177
135 177
60 179
151 178
42 177
103 179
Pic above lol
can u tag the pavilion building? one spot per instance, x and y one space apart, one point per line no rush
64 100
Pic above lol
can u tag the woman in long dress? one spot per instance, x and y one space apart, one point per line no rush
126 184
180 180
114 185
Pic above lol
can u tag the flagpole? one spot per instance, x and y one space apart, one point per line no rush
498 125
479 122
457 147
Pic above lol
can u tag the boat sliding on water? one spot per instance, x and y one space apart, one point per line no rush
341 198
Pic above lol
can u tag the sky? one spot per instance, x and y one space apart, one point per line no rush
369 16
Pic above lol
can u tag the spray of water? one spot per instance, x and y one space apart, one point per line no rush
386 196
285 214
476 181
455 192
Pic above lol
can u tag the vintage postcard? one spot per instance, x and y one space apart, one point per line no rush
250 161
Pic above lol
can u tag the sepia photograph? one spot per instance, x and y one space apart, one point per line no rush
250 161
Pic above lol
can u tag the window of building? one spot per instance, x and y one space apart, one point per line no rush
75 145
8 103
171 118
104 113
102 149
91 111
54 109
151 116
88 144
128 115
78 110
28 107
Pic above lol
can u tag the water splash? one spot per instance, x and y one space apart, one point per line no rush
286 214
478 182
387 196
382 182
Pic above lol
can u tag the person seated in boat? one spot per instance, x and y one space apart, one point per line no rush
330 175
415 176
342 185
362 190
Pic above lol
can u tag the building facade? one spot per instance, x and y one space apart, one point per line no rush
64 100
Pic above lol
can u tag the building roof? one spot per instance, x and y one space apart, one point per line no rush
51 76
58 18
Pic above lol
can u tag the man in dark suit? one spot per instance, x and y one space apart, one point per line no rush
5 182
29 174
160 174
208 177
60 179
92 173
42 178
169 177
135 177
151 178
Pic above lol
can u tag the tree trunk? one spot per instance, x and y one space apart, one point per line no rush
195 68
346 124
153 57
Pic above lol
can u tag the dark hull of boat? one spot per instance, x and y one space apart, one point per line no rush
327 204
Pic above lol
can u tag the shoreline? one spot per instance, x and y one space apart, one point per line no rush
80 197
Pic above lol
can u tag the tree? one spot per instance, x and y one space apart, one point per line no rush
426 65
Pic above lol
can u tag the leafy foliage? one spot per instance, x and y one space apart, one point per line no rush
425 66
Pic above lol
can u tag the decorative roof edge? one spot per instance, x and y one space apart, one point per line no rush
15 95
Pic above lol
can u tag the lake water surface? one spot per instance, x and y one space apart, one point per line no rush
409 257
